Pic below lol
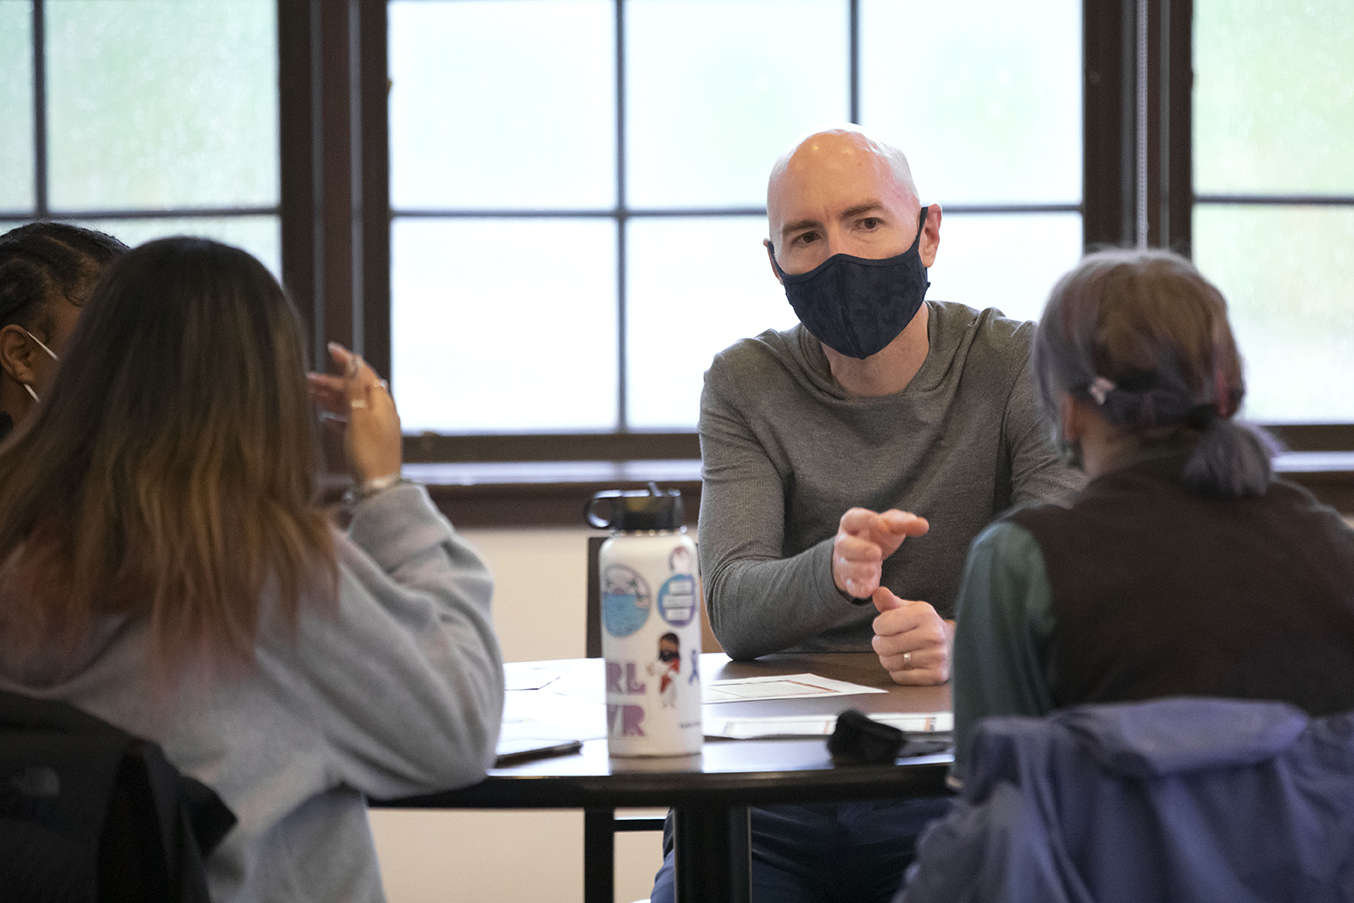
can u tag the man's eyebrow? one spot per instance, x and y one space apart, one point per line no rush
798 225
864 207
869 206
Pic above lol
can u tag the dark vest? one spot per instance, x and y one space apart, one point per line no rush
1160 591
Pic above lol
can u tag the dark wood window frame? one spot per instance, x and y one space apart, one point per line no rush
335 207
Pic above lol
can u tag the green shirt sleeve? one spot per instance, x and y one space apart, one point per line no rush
1002 632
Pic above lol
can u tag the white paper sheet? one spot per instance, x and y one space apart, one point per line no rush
818 725
784 686
549 716
531 675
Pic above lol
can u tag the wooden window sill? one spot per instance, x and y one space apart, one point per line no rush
546 493
555 493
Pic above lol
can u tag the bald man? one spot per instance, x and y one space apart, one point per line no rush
851 460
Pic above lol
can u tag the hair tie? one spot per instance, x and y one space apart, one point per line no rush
1099 388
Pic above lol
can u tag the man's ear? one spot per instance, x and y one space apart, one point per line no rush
930 236
16 354
771 259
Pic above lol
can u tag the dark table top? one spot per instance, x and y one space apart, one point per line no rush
726 772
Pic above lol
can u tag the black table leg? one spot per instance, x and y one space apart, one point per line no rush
712 854
599 856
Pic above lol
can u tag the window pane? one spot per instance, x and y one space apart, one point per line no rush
1008 261
984 96
162 103
504 325
1273 97
1286 273
259 235
16 106
684 307
503 104
716 89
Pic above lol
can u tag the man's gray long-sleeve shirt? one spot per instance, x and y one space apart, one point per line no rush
785 453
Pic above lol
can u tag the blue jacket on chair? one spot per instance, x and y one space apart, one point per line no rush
1187 799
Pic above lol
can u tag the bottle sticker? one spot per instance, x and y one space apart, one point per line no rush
677 600
668 668
625 600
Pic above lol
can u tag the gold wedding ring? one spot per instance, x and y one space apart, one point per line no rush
907 660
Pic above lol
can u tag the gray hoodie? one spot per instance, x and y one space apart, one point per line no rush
397 689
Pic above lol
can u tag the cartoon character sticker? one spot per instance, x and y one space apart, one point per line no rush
668 668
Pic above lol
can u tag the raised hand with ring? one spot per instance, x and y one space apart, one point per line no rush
371 425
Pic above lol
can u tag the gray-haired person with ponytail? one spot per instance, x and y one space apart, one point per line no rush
1184 567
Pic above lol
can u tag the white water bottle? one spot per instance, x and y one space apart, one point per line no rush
651 624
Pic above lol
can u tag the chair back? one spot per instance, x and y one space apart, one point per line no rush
91 813
1175 799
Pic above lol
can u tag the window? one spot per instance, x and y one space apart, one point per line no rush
565 196
142 118
578 186
1274 197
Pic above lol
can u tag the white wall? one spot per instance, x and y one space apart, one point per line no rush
504 857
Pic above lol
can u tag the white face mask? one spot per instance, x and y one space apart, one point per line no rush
49 351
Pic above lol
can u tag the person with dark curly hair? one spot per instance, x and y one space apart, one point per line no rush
46 271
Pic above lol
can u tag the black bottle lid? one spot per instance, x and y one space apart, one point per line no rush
636 509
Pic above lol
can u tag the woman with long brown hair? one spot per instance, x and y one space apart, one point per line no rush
165 565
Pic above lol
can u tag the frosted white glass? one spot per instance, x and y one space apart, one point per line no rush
984 96
1287 274
16 106
162 103
1004 260
1273 97
504 325
685 305
502 105
259 235
717 89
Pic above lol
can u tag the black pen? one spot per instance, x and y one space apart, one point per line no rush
518 756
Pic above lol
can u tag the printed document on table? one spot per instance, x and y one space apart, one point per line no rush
818 725
783 686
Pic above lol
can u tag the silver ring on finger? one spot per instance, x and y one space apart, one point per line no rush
907 661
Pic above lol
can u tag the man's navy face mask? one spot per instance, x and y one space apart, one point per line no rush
855 305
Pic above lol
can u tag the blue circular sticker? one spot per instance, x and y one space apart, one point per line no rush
677 600
625 600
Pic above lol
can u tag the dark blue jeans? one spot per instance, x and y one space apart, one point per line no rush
826 853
